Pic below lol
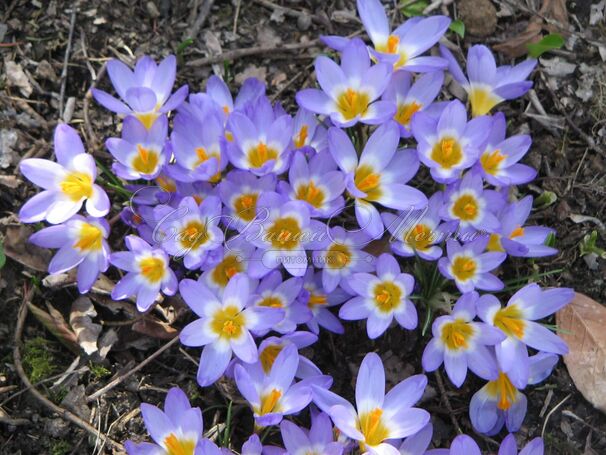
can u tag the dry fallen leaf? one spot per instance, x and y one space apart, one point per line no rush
16 77
55 323
18 248
155 329
582 325
80 318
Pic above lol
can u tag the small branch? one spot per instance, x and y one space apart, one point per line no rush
68 50
446 402
290 12
202 15
129 373
247 52
64 413
91 137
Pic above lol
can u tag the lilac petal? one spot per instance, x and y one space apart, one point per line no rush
406 422
345 420
293 437
355 61
175 403
176 99
164 78
121 76
551 301
110 103
488 282
426 64
433 355
378 113
387 266
245 348
213 362
370 384
66 258
454 118
369 219
534 447
98 205
87 274
374 19
342 150
141 99
326 399
44 173
297 398
126 287
514 90
67 143
237 290
380 147
476 131
482 362
481 65
337 43
157 422
314 100
354 310
540 367
37 208
197 333
330 76
246 385
406 393
284 368
514 417
464 445
425 34
197 296
401 197
146 297
483 411
453 66
543 339
50 237
456 368
377 325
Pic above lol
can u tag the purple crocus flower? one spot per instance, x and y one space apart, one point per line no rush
378 417
461 445
319 301
148 273
515 238
253 446
417 443
449 144
270 347
190 231
318 439
500 402
140 152
146 90
240 191
224 326
414 98
231 259
342 257
498 162
196 144
262 141
471 206
417 232
469 267
282 232
274 395
309 136
67 184
281 296
381 298
461 343
349 91
517 321
487 85
82 243
509 447
176 430
378 175
403 47
317 183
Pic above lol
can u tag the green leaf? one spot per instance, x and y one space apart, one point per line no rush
414 8
546 199
548 43
458 27
2 255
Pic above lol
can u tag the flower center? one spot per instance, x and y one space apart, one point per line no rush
491 161
77 185
176 446
285 233
406 111
482 101
494 243
271 301
352 103
269 402
338 256
311 194
510 321
447 152
166 183
146 161
466 207
147 118
503 390
89 238
228 322
301 138
261 154
245 206
455 335
464 268
419 237
368 181
268 356
152 269
388 296
316 300
193 235
372 427
226 269
517 232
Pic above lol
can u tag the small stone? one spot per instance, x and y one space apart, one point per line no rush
304 22
152 10
479 17
46 71
56 428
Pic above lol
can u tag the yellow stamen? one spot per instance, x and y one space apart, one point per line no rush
447 153
388 296
406 111
175 446
261 154
510 321
147 118
502 389
284 233
269 402
482 101
317 300
193 235
494 243
226 269
77 185
152 268
268 356
228 322
90 238
301 138
491 161
464 268
271 302
517 232
311 194
466 207
455 335
368 181
372 427
166 183
352 103
245 206
419 238
338 256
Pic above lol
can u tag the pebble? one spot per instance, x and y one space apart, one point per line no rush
479 17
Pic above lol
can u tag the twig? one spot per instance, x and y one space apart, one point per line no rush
91 137
64 413
446 401
236 16
8 420
247 52
588 139
68 50
555 408
127 374
202 15
292 81
291 12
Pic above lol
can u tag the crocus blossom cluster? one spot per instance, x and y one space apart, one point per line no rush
262 219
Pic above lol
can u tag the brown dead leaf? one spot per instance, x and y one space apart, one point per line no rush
16 77
80 318
155 329
55 323
551 11
18 248
582 325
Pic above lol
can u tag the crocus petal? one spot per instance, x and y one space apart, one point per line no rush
213 362
345 419
370 384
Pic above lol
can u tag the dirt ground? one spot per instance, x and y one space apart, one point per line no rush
566 115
